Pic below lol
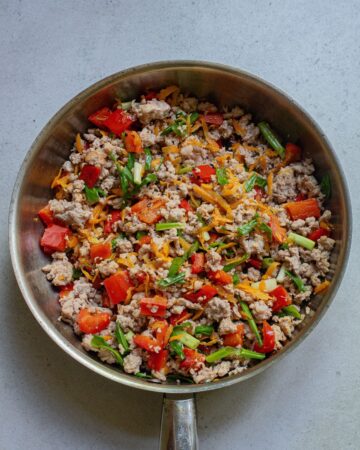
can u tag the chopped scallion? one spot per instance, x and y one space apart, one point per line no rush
271 139
169 225
221 176
251 322
301 240
236 263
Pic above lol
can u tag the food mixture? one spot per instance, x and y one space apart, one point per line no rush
186 241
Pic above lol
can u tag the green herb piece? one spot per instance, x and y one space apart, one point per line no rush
255 180
92 195
124 184
194 247
169 225
251 322
100 343
264 227
144 375
150 178
292 311
222 177
204 329
76 274
168 281
194 117
148 159
325 186
175 266
184 170
236 279
120 336
140 234
301 240
267 262
185 338
247 228
131 161
236 263
160 164
177 348
167 130
284 246
296 280
271 139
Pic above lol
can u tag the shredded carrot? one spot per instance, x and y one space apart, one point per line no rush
185 317
198 314
324 225
167 91
270 180
72 241
270 270
79 144
168 334
256 293
212 144
223 247
212 342
176 338
214 198
322 287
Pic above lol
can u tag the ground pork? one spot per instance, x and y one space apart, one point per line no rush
207 374
284 186
213 261
60 271
151 110
107 267
217 309
72 213
227 326
132 362
261 311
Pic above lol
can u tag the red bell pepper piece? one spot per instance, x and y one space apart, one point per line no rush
300 198
117 286
220 277
65 290
304 209
46 215
292 153
90 174
176 319
268 339
118 121
214 118
161 331
193 359
197 262
92 322
115 216
186 205
148 210
133 143
202 174
146 342
100 117
150 95
54 239
204 294
153 306
254 262
100 251
278 232
157 361
281 298
234 339
318 233
260 193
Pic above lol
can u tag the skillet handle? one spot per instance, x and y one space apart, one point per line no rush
178 423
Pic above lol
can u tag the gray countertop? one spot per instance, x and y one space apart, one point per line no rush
52 50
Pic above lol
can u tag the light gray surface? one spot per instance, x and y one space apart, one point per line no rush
52 50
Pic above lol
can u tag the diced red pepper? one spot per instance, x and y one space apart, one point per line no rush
260 193
141 277
148 210
46 215
292 153
300 198
153 306
157 361
54 239
115 216
100 251
193 359
133 143
257 263
144 240
150 95
197 262
213 237
146 342
90 174
65 290
202 174
204 294
118 121
304 209
318 233
268 339
117 286
281 298
186 205
92 322
176 319
161 331
214 118
234 339
220 277
100 117
278 232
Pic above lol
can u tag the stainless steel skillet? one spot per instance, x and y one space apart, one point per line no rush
225 86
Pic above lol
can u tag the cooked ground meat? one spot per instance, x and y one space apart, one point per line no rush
169 232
